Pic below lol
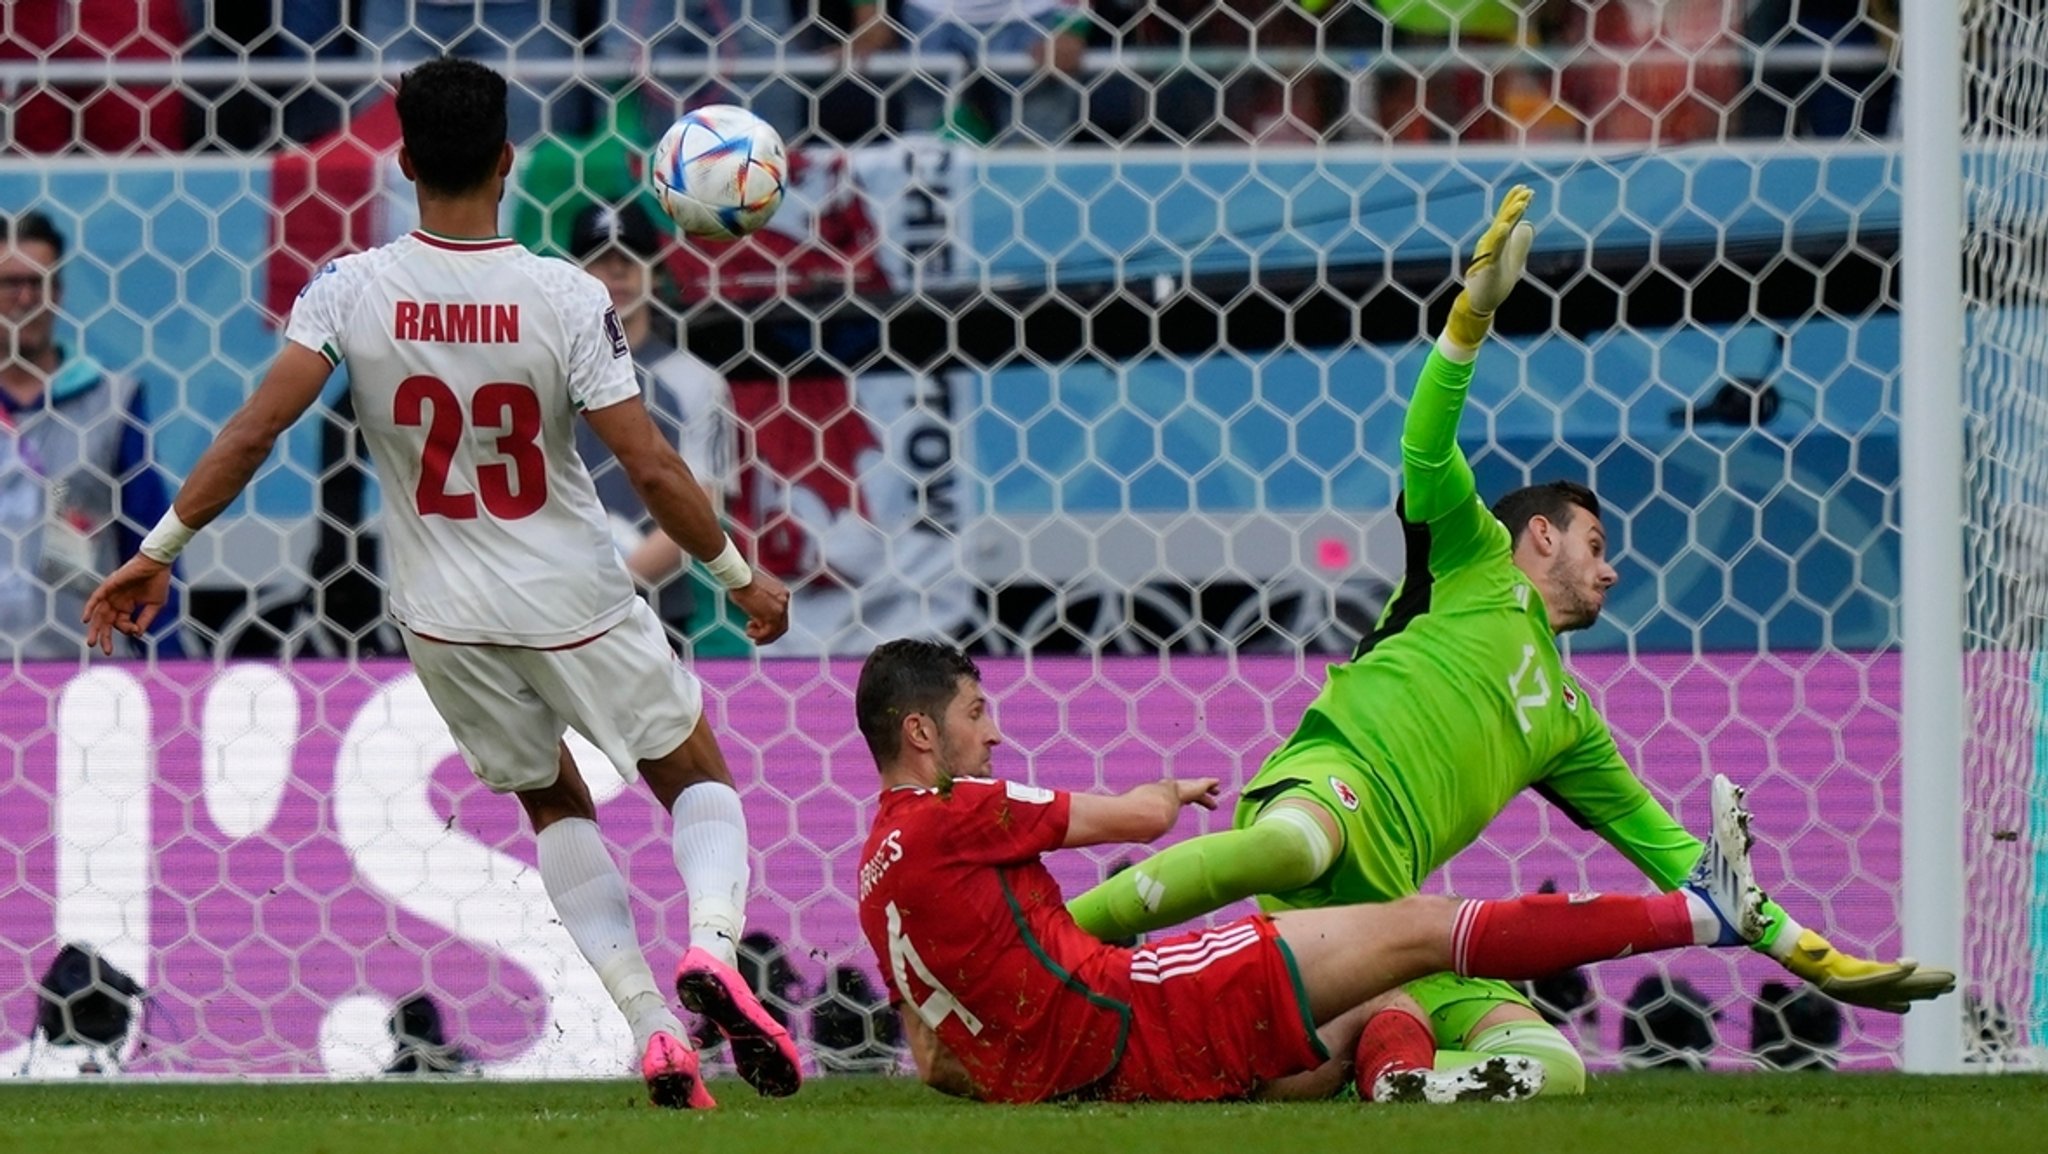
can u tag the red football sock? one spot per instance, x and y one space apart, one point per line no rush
1544 934
1393 1040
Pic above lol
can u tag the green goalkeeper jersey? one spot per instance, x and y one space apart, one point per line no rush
1457 700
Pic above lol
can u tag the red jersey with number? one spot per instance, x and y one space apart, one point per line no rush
468 363
971 931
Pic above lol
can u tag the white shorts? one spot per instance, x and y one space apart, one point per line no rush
507 707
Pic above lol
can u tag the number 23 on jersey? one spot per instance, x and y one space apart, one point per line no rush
512 486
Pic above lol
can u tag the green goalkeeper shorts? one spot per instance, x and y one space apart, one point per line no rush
1456 1005
1375 863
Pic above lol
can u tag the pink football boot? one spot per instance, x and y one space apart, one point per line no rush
761 1049
670 1068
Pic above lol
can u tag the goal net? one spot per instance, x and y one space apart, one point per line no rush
2005 418
1098 371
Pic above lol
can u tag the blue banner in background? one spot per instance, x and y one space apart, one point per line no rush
1145 213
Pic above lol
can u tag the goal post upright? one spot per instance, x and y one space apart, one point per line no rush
1931 518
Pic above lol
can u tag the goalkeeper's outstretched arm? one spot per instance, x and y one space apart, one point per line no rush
1435 477
1632 821
1288 847
1666 853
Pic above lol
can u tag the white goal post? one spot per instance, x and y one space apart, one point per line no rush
1931 517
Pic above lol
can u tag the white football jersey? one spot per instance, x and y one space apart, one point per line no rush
469 361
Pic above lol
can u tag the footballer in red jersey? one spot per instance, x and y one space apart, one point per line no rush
1006 999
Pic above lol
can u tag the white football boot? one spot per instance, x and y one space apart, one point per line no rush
1723 879
1501 1078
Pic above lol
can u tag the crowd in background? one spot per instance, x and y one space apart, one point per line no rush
1659 71
599 79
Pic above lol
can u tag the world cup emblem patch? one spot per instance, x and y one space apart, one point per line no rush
616 332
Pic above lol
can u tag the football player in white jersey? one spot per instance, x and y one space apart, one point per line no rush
470 359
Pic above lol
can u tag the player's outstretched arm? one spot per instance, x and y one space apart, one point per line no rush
1497 263
129 600
1889 986
1435 477
1667 853
1649 837
1603 793
1138 815
679 506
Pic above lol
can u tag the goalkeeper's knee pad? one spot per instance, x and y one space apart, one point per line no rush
1292 847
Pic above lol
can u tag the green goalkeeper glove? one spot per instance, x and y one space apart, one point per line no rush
1889 986
1497 264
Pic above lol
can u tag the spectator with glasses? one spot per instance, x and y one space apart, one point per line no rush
77 489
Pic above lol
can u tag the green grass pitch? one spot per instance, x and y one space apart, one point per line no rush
1627 1114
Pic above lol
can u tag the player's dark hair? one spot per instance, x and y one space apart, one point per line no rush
452 114
33 225
1554 501
903 677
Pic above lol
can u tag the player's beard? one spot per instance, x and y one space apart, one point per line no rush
1568 599
948 767
943 769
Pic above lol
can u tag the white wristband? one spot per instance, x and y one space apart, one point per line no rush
731 569
168 539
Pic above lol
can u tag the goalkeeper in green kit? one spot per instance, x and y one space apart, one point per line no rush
1455 703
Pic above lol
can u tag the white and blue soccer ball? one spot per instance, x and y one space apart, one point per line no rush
719 172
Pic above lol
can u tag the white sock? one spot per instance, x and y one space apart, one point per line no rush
1787 940
711 854
589 895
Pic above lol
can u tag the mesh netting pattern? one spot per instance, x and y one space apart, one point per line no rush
1097 367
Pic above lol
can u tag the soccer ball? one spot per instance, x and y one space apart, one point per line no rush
718 172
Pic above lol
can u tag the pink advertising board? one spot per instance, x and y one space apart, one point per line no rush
281 852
